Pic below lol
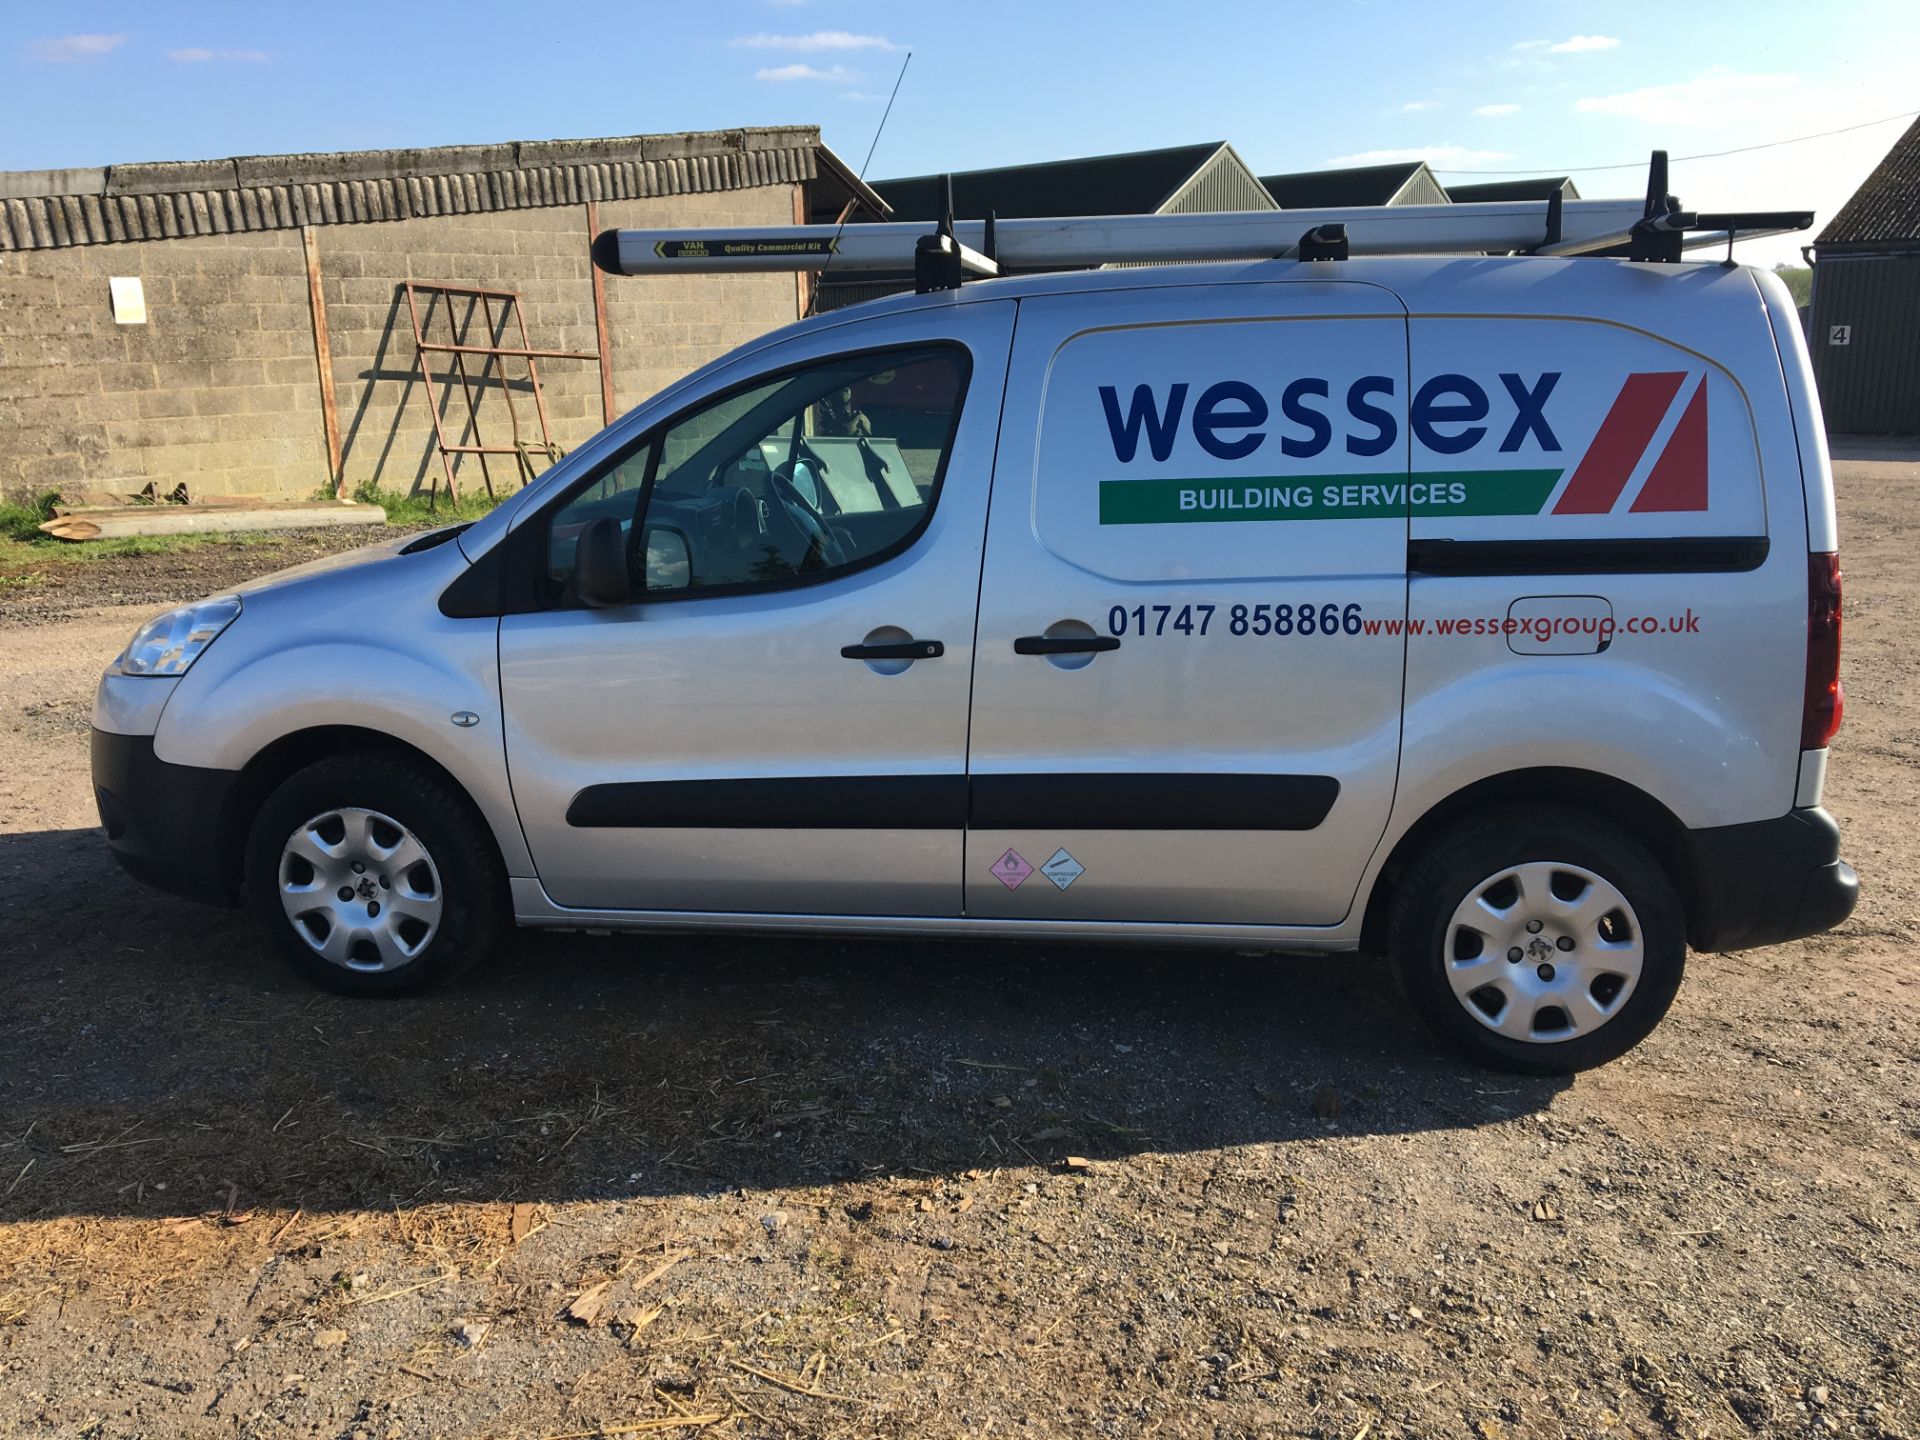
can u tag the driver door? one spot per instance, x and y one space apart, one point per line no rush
747 735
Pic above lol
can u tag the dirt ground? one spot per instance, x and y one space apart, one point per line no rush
813 1188
39 586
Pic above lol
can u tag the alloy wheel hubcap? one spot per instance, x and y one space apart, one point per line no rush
1543 952
360 889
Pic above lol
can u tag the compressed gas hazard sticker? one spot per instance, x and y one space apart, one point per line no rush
1011 869
1062 869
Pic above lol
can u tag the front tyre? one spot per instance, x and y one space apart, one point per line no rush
374 876
1538 939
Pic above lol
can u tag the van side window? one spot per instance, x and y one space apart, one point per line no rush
791 480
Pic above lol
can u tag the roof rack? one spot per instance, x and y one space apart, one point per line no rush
1654 230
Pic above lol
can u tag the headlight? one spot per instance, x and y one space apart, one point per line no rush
169 644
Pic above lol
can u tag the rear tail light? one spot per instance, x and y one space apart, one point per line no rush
1825 700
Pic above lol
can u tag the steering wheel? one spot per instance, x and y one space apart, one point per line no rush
811 523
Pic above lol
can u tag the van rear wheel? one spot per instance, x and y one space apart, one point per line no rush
374 876
1538 939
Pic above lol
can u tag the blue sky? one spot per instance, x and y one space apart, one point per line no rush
1495 86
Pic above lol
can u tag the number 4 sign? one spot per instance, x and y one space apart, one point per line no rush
1839 334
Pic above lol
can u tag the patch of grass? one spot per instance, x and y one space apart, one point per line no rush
25 551
21 538
413 509
22 521
41 550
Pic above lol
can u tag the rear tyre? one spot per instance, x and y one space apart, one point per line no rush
374 876
1538 939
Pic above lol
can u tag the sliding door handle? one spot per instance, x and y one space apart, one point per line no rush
1064 644
895 650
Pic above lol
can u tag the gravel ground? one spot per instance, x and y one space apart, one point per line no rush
816 1188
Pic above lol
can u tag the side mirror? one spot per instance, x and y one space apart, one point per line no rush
600 578
669 559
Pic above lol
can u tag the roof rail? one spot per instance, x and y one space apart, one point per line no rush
941 262
1655 229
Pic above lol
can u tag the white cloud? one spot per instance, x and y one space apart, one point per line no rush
859 95
1446 156
1572 45
1495 112
63 49
812 44
805 72
1718 97
194 55
1412 105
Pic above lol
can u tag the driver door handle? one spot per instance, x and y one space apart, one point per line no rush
895 650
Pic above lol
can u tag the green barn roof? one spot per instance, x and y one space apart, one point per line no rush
1137 183
1533 188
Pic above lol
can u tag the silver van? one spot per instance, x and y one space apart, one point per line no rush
1482 611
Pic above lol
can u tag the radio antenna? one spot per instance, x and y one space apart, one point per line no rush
819 280
881 127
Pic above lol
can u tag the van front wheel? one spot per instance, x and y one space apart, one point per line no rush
1538 939
374 876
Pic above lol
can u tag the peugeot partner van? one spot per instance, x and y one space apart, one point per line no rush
1479 611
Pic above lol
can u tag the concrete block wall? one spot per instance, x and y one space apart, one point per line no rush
217 389
220 387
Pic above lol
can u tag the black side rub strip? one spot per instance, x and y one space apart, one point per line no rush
941 802
834 802
1152 802
1672 555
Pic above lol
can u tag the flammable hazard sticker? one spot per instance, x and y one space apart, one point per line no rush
1011 869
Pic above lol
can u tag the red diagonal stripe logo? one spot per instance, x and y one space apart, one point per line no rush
1622 439
1679 477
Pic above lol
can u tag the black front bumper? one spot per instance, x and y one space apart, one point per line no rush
167 824
1766 882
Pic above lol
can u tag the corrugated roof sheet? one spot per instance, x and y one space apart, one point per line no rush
1535 188
1887 207
1137 183
1357 185
50 209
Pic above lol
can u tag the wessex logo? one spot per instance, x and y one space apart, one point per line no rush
1228 416
1450 414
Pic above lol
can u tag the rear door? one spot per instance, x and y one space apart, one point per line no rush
1186 702
1622 562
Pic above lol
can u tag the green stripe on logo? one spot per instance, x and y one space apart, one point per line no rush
1326 497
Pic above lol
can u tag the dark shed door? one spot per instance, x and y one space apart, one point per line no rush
1870 384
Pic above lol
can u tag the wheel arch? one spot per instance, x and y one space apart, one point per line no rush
1642 816
293 752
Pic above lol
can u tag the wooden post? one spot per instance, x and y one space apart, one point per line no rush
323 358
802 279
603 342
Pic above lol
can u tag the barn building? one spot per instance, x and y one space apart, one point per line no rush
1178 180
1865 326
1533 188
1401 183
243 327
